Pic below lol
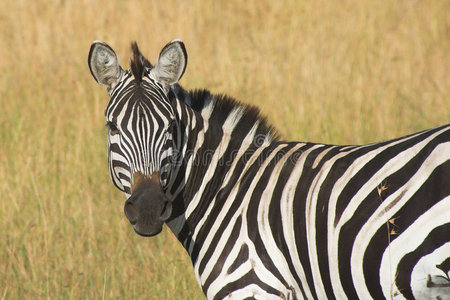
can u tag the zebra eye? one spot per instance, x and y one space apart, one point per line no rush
113 130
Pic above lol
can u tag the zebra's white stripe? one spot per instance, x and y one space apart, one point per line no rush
321 155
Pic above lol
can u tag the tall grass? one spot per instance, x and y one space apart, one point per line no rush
345 72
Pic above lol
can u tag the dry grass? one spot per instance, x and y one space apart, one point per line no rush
349 72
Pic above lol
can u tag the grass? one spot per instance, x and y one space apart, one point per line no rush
346 73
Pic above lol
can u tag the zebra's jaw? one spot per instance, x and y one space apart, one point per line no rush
147 208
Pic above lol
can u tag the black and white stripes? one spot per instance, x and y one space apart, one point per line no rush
267 219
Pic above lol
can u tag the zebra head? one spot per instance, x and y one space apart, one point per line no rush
140 118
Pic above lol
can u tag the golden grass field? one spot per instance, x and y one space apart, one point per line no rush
347 72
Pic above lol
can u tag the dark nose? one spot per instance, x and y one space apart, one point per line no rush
130 211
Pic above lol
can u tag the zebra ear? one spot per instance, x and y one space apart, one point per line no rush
104 64
171 63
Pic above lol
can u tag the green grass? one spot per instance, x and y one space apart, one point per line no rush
348 73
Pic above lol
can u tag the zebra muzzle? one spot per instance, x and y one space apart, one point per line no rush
147 208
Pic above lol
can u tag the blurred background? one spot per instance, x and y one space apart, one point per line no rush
336 72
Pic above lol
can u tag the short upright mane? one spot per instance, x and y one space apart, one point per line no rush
137 62
223 106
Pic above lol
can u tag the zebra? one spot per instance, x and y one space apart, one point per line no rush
268 219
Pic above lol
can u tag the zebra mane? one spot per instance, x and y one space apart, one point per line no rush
223 105
138 62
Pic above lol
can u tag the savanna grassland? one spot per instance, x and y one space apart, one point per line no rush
346 72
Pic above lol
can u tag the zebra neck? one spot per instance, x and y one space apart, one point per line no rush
194 152
210 145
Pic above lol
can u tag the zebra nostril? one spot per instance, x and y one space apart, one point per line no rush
130 213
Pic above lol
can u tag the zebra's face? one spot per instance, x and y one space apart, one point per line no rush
140 118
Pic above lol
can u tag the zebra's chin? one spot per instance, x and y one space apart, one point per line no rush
148 233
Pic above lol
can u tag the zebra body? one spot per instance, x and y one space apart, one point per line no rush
263 218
